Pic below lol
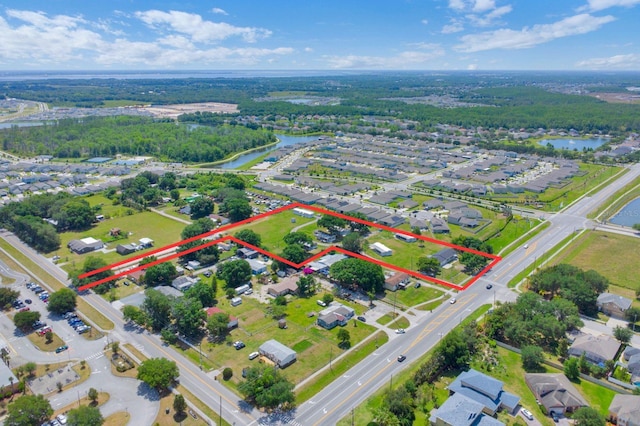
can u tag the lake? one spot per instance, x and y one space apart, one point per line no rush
572 144
629 215
285 140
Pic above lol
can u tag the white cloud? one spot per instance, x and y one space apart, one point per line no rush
308 49
457 4
532 36
30 39
453 27
472 67
629 61
424 22
198 29
219 11
491 17
484 5
405 60
596 5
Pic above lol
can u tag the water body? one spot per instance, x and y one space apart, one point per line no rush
572 144
285 140
629 215
28 124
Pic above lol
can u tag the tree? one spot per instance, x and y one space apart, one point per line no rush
429 266
85 415
135 314
174 194
473 262
61 301
345 338
158 373
306 286
92 394
532 358
353 242
587 416
333 224
189 316
400 402
360 228
25 320
237 209
201 207
157 308
7 297
359 273
160 274
235 272
294 253
197 228
92 263
227 373
572 368
297 237
454 351
29 410
179 403
327 298
75 214
30 368
249 237
623 334
203 292
266 387
218 325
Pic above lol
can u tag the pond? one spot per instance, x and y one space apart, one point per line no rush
629 215
578 144
285 140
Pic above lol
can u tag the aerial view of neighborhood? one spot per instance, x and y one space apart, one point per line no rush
185 245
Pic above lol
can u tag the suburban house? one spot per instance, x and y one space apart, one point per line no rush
85 245
183 283
446 256
439 226
624 410
613 305
334 315
247 253
460 410
280 354
124 249
555 392
136 276
397 280
381 249
257 267
596 349
324 237
323 264
233 321
485 390
220 220
288 285
632 358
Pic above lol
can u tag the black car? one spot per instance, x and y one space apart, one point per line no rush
489 286
401 358
361 318
239 345
555 416
27 301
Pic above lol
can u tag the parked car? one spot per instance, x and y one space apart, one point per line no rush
62 419
361 318
526 413
61 349
555 416
489 286
25 309
238 345
452 300
254 355
400 331
28 301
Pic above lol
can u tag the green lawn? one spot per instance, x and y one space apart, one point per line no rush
160 229
412 296
608 254
514 230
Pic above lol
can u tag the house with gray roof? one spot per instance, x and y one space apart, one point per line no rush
624 410
555 392
485 390
280 354
460 410
596 349
446 256
439 226
613 305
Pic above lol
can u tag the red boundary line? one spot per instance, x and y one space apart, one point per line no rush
495 258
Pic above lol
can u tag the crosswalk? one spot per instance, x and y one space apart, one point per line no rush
278 419
95 356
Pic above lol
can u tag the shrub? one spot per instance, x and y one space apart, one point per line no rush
227 373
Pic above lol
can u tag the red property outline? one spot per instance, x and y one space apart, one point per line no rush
495 258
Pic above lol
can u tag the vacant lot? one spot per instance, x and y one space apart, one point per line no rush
609 254
273 228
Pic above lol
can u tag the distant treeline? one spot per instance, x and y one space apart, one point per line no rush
510 100
93 136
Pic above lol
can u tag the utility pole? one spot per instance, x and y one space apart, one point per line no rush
220 412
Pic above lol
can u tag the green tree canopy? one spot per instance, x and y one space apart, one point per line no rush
160 274
201 207
588 416
297 237
358 273
24 320
61 301
294 253
218 325
28 410
250 237
189 316
8 296
353 242
158 373
306 286
157 308
85 416
203 292
332 224
429 266
532 358
267 388
235 272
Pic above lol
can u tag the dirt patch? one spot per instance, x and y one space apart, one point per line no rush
173 111
618 98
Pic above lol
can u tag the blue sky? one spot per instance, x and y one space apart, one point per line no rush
320 35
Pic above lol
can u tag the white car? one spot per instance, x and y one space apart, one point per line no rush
62 419
254 355
400 331
453 300
526 413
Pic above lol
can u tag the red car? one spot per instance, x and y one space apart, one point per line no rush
25 309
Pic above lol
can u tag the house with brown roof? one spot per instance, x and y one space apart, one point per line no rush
555 392
289 285
624 410
613 305
233 321
397 280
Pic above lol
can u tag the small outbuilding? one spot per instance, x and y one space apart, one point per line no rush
381 249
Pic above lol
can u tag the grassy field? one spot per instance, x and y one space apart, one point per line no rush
174 418
40 342
513 231
608 254
162 230
273 228
412 296
39 274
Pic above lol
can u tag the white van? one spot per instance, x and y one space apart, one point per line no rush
321 303
254 355
236 301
